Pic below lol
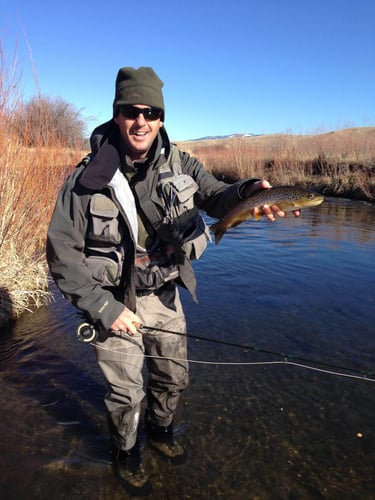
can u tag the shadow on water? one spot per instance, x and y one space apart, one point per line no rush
6 305
252 431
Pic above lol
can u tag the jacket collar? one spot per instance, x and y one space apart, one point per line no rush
105 145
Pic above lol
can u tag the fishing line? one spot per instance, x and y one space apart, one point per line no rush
285 356
288 359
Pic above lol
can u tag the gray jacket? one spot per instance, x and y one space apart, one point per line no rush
90 243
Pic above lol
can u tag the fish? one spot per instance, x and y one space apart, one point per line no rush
287 198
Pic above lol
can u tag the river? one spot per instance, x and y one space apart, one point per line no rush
286 413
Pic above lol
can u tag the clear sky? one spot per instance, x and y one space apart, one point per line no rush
245 66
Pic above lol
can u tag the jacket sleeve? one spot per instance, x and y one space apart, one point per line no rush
66 258
214 197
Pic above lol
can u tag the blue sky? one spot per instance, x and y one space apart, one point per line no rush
265 66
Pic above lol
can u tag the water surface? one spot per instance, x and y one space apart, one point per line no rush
303 287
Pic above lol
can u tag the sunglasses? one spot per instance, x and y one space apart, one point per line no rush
132 112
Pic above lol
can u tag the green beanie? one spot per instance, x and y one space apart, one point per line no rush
138 86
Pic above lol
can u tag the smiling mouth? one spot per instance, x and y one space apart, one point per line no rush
140 134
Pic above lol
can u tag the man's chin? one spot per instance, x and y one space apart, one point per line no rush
139 150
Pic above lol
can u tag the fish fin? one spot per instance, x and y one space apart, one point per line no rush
237 222
214 227
218 236
218 231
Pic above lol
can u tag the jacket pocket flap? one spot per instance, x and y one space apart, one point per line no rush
184 186
102 206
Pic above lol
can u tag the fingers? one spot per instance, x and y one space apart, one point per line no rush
275 210
269 211
266 210
255 186
263 184
127 322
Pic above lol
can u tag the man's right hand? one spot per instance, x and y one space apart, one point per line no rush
127 322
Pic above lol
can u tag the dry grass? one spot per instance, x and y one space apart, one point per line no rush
30 178
339 163
29 181
24 284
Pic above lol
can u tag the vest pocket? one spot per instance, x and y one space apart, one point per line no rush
195 242
104 220
178 194
105 265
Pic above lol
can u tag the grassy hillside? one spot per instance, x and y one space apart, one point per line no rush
339 163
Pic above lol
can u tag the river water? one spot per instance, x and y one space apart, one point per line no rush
254 426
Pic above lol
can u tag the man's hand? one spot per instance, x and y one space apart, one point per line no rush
269 211
127 322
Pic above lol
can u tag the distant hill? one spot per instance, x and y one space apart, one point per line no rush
229 136
362 139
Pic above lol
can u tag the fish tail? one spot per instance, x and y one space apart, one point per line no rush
218 231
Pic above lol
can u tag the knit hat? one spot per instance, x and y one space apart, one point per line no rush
138 86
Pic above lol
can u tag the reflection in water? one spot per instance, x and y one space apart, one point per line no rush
298 286
347 221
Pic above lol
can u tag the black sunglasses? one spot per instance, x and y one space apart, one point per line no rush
132 112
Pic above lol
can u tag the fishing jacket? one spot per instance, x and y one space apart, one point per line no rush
92 249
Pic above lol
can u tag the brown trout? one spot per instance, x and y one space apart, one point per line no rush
287 198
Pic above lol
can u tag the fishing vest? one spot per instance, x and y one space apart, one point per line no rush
181 228
177 191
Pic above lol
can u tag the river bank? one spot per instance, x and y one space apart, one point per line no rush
29 182
340 163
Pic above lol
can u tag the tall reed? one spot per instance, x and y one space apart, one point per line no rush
29 181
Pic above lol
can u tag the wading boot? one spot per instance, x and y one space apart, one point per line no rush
128 468
165 443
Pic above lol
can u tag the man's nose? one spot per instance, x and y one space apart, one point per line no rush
140 119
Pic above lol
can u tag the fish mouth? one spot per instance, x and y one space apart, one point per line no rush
317 201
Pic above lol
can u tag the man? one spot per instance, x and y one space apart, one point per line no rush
124 231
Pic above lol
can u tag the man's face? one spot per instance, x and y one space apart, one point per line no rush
138 132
